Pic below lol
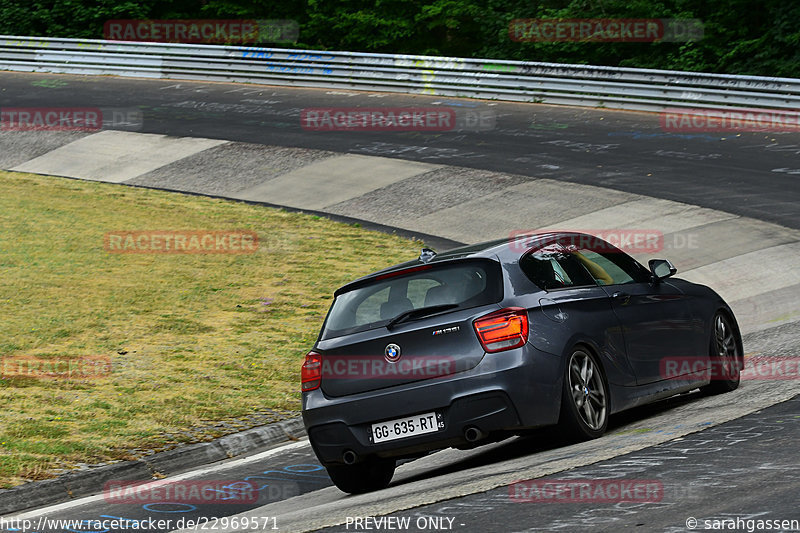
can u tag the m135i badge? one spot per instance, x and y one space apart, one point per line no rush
447 330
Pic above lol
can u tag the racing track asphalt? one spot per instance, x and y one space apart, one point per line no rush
748 174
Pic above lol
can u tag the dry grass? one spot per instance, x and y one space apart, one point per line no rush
191 338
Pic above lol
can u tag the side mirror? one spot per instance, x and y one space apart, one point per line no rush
661 269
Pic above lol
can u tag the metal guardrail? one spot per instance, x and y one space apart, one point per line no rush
552 83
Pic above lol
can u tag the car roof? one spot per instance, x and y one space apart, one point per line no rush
505 250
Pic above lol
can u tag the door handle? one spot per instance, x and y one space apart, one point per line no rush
622 297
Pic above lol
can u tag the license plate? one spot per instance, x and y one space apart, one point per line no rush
409 426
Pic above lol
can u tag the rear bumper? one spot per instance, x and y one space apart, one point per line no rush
510 390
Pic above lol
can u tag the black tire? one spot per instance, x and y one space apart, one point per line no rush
584 397
725 356
366 476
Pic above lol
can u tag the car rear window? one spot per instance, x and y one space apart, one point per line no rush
465 284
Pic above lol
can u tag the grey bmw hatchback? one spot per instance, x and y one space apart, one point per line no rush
465 347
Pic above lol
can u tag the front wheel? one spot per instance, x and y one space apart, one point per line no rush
584 398
366 476
725 357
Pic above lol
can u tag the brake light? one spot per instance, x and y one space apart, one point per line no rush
403 272
311 372
503 330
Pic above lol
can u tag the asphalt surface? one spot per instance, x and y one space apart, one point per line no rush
728 471
749 174
211 495
724 473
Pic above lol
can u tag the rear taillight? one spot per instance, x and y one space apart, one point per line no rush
503 330
311 372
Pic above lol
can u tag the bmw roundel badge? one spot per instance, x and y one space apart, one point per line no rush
392 352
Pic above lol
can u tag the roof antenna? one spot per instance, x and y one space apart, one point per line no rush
426 255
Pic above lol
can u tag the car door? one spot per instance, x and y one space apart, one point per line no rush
657 323
575 309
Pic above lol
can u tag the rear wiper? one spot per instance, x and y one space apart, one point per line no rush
418 313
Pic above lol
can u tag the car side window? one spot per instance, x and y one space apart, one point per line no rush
552 267
609 268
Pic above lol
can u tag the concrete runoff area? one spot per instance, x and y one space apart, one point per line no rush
318 185
528 206
229 168
18 147
642 213
753 273
768 309
114 156
741 236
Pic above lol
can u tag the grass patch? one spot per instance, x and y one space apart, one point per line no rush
198 345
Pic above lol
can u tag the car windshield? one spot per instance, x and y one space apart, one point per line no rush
451 286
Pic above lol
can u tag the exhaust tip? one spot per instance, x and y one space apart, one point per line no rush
349 457
473 434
